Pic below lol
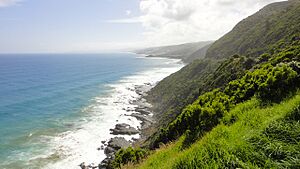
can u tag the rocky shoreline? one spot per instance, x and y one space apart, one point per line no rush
142 113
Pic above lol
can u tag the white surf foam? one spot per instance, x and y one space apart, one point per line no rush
81 144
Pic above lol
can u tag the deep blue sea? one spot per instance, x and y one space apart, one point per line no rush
53 104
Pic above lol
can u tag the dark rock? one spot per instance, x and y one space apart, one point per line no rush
105 163
83 166
109 150
124 129
103 142
92 166
143 110
114 145
141 117
134 139
118 142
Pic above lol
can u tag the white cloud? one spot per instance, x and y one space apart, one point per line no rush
126 20
178 21
5 3
128 12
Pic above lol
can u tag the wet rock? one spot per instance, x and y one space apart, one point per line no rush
105 163
92 166
118 142
124 129
83 166
143 110
113 146
142 118
109 150
134 139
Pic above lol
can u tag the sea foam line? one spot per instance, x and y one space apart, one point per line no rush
81 144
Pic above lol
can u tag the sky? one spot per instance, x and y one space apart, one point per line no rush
56 26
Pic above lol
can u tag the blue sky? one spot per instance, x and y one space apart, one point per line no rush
65 25
109 25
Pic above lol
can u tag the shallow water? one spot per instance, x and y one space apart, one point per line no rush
56 109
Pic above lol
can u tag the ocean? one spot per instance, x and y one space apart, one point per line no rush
55 109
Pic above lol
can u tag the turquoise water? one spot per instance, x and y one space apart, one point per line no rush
41 93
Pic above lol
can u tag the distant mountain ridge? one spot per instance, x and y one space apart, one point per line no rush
187 52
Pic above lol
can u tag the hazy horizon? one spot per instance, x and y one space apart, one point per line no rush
52 26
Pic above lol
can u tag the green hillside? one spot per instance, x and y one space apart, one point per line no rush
259 32
175 92
187 52
231 110
251 123
261 137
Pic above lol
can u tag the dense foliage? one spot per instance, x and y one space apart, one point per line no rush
129 155
232 113
271 30
267 82
193 80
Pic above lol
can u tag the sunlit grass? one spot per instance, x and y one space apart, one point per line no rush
250 136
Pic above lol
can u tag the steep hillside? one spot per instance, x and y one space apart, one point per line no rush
228 110
257 33
251 123
183 87
261 137
199 54
172 94
187 52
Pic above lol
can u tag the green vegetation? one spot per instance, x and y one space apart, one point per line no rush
260 137
186 52
255 35
129 155
174 93
268 83
229 108
232 111
193 80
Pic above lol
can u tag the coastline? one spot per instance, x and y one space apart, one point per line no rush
140 110
126 114
142 113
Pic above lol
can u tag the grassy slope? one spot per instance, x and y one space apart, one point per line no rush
257 33
263 137
175 92
184 87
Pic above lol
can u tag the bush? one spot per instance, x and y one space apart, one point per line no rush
201 116
270 81
129 155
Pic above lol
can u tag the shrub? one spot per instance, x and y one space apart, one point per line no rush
129 155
